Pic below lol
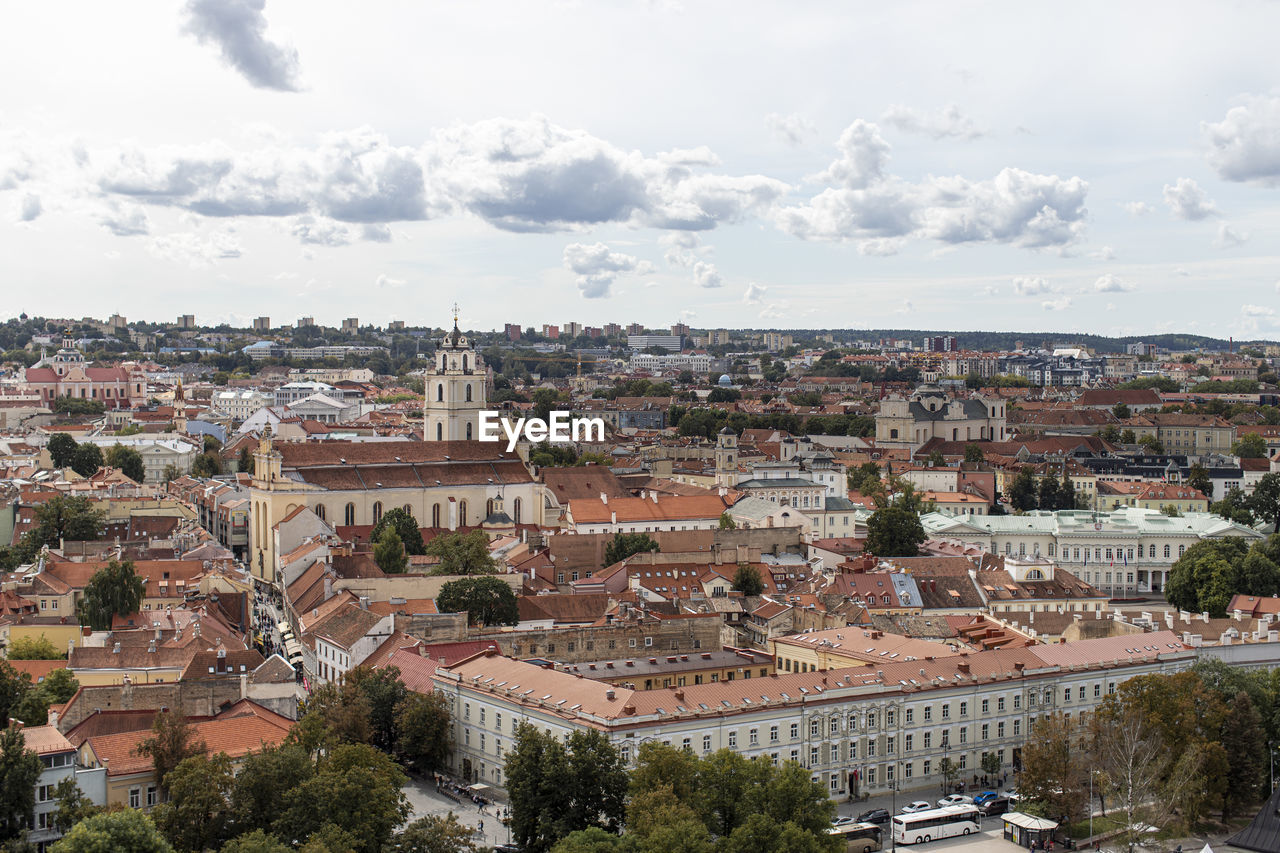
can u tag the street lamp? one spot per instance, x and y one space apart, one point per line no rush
506 821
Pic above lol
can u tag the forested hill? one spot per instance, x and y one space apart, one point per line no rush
991 341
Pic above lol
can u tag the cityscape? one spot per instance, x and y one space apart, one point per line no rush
653 428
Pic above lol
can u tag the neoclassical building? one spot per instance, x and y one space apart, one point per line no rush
930 413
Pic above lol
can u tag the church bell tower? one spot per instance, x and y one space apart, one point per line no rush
455 387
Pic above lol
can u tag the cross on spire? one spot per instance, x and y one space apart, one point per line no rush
455 315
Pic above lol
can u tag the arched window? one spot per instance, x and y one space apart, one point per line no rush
1151 552
515 510
1181 550
408 510
377 511
444 362
468 392
435 515
439 432
1166 552
349 515
468 431
462 513
440 392
488 508
464 364
319 511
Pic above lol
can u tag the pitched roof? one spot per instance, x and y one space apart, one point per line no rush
635 510
415 670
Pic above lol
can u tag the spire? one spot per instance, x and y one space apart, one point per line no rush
455 316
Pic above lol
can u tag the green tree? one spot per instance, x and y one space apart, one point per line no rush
1067 496
245 462
894 531
257 841
1022 492
974 453
936 459
57 687
434 834
334 713
727 522
388 553
62 449
865 479
384 691
1128 436
128 460
1207 575
623 545
87 459
1198 479
462 554
1054 767
172 741
113 590
1245 743
1121 411
34 648
356 792
488 600
1047 493
1265 500
256 795
73 805
1250 446
1234 506
13 687
949 770
197 814
112 832
211 444
19 769
1151 444
422 731
747 580
405 525
73 519
206 465
991 763
1110 433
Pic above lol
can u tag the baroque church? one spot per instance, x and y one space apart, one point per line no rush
449 482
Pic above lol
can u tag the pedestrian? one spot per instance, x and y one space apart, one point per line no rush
482 827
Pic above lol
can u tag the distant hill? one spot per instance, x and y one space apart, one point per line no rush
1008 340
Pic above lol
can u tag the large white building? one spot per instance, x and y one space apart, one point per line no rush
1129 550
158 452
239 405
694 362
855 728
930 413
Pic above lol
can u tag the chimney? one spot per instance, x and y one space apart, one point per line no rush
604 498
963 667
328 587
151 646
364 602
609 694
1204 616
654 495
158 634
115 650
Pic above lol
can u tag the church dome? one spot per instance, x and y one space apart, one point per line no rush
725 380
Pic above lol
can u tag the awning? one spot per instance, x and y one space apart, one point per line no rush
1027 821
481 788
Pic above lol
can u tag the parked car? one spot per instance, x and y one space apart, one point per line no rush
917 806
956 800
1011 794
998 805
979 799
842 820
875 816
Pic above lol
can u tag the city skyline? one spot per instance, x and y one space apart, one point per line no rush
794 168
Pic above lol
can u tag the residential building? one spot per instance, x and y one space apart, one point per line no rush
238 405
58 762
672 343
1194 435
262 324
351 325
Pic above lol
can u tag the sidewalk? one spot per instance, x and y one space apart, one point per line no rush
424 800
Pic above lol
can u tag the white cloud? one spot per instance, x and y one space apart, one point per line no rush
990 290
755 293
1228 237
1031 286
597 267
792 129
1245 145
320 232
1137 208
880 246
681 248
949 122
1110 284
1106 253
238 28
1061 304
773 311
1188 201
1015 207
1257 310
385 280
706 275
375 233
124 220
906 308
700 156
191 249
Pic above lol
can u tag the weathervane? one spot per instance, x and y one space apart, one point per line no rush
455 315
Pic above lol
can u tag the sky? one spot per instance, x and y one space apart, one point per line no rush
1093 167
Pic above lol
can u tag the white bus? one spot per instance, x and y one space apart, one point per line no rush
935 823
859 837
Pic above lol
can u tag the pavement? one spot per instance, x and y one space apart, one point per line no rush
424 800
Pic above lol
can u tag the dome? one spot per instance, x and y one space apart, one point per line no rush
727 431
725 380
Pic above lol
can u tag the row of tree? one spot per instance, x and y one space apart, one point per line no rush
1025 493
576 796
1163 751
1205 578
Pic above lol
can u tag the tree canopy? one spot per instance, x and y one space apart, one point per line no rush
1211 571
389 554
87 459
19 769
128 460
623 545
405 525
747 580
114 589
894 531
111 832
488 600
462 554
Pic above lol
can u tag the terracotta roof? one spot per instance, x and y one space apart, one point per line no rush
37 669
394 643
562 608
101 723
233 664
45 740
582 483
636 510
347 625
415 670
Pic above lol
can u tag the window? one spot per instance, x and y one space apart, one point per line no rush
999 730
377 511
964 734
835 725
1080 693
795 731
813 756
686 745
349 515
706 743
1166 552
911 713
320 512
946 712
986 706
908 743
1066 694
733 740
813 727
964 709
773 734
928 740
986 731
889 745
928 765
1017 728
753 738
871 719
871 748
135 798
1000 703
1097 690
889 716
515 510
833 753
928 713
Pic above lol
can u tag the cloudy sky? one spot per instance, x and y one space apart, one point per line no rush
1113 168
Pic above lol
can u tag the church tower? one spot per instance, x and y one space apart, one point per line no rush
727 458
455 389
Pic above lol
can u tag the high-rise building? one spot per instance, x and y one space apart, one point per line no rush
612 330
351 324
635 328
395 326
186 321
262 324
572 330
513 331
679 329
306 321
552 332
940 343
